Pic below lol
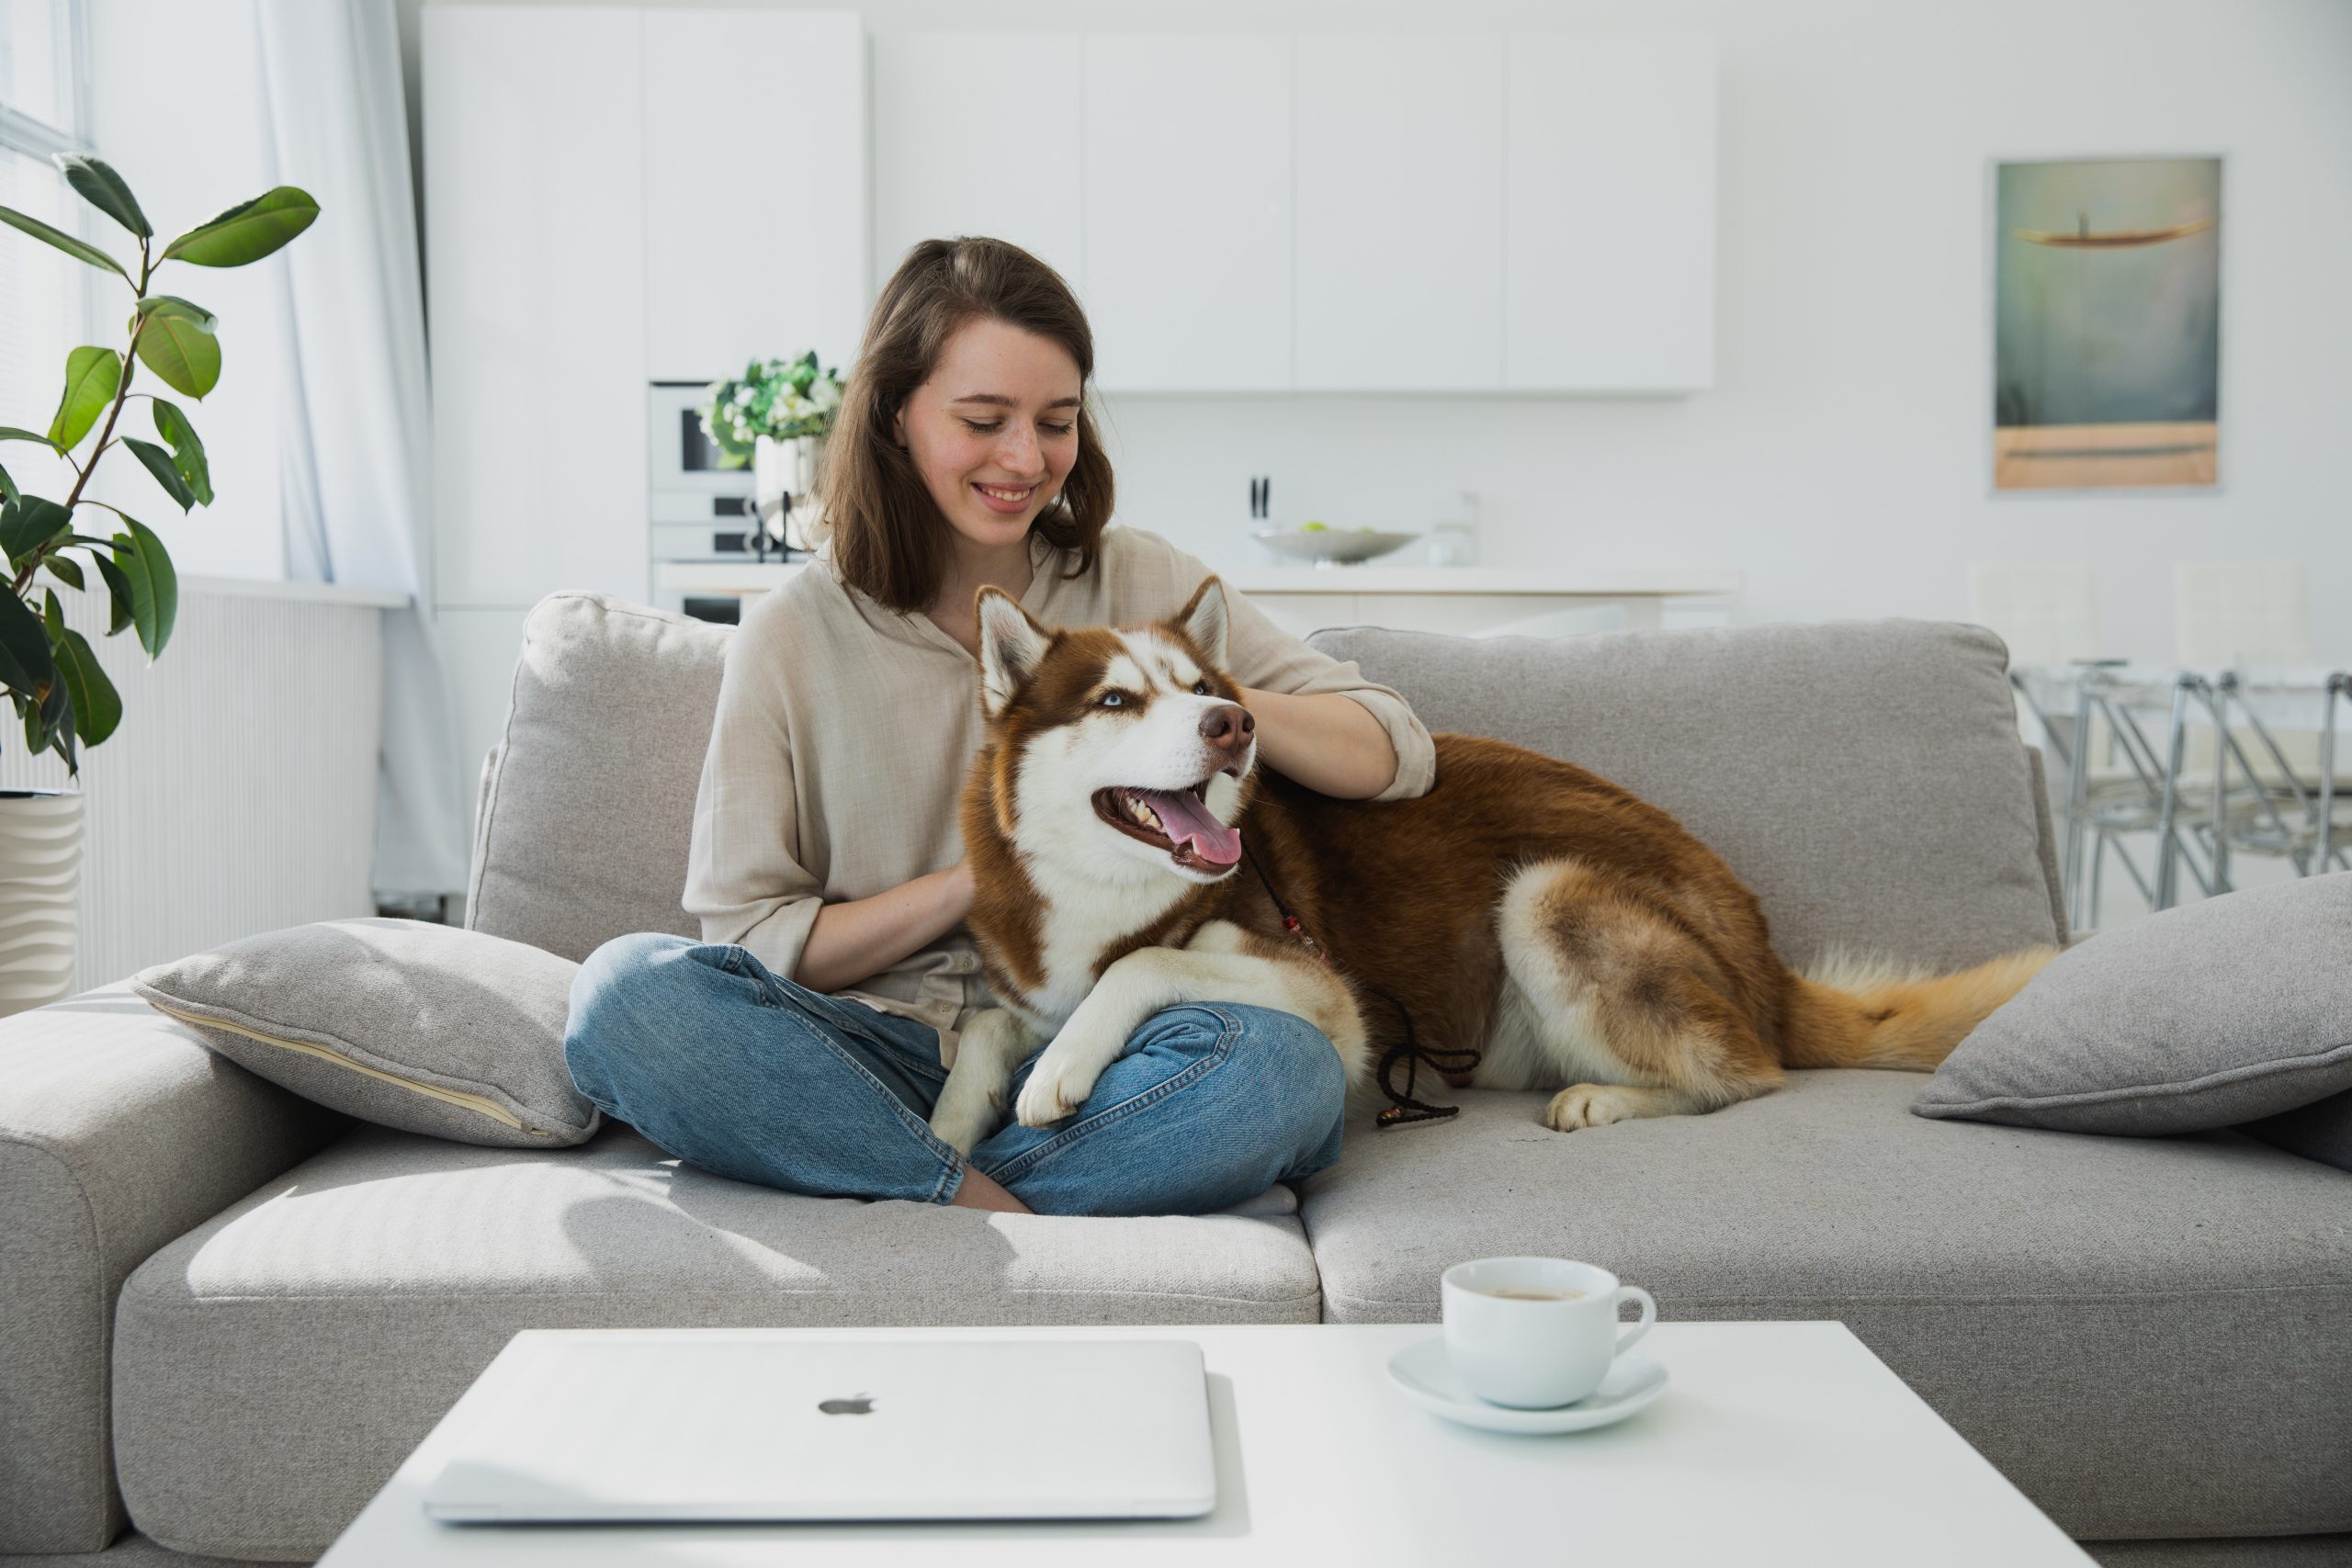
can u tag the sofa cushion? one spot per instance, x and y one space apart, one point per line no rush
274 1366
2090 1311
1864 777
455 1033
588 801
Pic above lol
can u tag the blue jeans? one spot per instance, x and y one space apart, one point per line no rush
748 1074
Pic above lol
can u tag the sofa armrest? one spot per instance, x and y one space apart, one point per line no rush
119 1131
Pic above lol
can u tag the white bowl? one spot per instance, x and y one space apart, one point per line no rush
1325 546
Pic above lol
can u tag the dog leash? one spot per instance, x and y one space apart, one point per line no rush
1403 1108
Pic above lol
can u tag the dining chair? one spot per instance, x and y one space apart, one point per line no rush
2149 797
2287 811
2073 705
2229 614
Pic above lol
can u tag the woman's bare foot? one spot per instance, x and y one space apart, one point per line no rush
978 1192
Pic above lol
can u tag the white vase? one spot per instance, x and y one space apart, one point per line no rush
781 468
41 891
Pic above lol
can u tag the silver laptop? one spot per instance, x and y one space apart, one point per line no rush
712 1427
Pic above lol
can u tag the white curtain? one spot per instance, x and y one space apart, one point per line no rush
358 466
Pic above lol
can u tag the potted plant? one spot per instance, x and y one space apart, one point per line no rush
775 416
56 684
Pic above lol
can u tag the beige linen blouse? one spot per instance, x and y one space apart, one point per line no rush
843 731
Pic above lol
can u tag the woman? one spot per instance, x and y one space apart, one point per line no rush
803 1041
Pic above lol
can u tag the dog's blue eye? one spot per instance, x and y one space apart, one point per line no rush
1113 699
1201 688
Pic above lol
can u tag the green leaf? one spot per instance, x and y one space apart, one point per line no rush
118 584
188 452
178 344
8 490
159 463
97 707
10 433
248 232
57 719
155 585
104 189
25 663
91 377
172 305
77 249
67 572
30 524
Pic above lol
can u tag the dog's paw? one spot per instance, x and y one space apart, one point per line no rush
1057 1085
961 1121
1592 1105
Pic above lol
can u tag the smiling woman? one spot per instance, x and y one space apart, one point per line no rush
803 1043
965 429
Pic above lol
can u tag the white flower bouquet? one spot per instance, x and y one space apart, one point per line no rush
779 399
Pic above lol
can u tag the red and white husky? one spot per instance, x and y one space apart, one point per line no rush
1525 909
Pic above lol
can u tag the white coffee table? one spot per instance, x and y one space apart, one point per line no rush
1775 1443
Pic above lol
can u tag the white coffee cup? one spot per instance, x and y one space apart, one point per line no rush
1532 1333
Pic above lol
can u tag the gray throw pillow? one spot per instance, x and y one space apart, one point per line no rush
2205 1015
428 1028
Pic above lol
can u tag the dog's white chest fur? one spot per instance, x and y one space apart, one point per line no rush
1080 921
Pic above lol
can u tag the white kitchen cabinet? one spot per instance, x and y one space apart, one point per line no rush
979 133
535 217
1400 223
1188 210
755 189
1609 204
1466 211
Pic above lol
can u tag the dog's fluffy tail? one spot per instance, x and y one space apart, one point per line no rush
1851 1012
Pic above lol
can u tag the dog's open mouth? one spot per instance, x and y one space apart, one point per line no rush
1176 821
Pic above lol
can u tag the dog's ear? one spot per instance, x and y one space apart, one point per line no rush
1012 643
1203 619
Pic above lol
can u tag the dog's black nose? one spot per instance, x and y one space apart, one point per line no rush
1228 726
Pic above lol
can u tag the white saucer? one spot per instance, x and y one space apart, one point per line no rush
1423 1370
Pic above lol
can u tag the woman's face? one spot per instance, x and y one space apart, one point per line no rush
994 431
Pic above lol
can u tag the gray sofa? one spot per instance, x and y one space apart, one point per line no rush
226 1314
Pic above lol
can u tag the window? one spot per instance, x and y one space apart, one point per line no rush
45 294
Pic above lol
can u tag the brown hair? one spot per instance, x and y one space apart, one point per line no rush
886 532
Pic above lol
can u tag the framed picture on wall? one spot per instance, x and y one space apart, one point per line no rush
2106 304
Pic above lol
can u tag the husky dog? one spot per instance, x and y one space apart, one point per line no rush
1525 915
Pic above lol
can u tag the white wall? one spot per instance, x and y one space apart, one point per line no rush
1843 457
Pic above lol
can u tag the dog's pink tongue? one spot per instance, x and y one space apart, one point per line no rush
1186 820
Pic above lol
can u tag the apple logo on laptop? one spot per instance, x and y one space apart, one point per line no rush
858 1405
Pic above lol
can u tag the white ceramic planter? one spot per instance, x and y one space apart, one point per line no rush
41 891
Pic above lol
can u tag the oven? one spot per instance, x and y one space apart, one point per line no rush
698 511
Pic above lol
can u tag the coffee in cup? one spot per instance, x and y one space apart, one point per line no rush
1533 1332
